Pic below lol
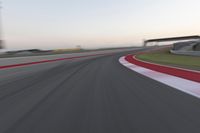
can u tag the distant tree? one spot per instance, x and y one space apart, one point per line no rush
78 46
1 44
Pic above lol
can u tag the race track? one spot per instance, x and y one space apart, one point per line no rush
92 95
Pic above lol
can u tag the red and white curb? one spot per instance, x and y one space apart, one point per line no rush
185 85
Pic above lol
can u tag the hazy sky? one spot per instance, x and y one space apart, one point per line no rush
95 23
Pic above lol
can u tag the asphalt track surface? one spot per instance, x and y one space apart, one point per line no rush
92 95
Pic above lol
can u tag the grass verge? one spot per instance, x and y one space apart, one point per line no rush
166 58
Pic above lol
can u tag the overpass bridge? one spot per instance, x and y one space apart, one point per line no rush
182 38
